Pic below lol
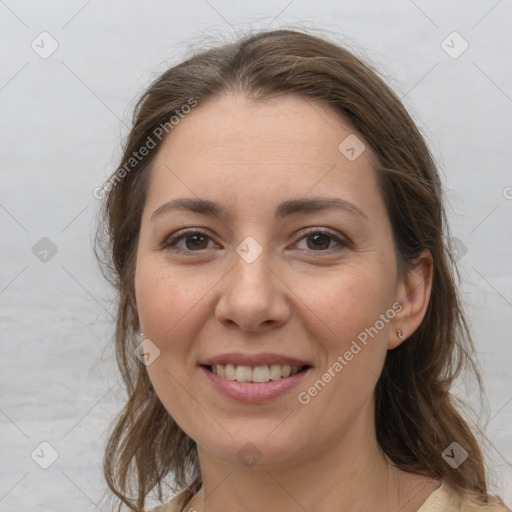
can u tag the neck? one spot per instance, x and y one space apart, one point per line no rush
348 473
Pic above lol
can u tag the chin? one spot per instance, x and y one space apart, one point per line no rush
257 452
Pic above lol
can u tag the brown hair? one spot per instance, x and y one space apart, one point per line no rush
416 417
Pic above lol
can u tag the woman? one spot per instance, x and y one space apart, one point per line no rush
288 325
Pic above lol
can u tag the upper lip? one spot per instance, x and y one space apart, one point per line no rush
253 360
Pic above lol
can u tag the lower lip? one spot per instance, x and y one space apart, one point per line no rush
254 392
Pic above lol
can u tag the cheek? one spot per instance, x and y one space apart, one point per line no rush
155 302
165 298
357 308
354 302
173 307
169 320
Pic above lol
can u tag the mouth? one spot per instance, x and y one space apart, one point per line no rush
253 384
255 374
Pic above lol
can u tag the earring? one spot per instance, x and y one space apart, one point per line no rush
139 333
400 334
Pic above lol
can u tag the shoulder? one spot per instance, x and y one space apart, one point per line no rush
175 505
446 499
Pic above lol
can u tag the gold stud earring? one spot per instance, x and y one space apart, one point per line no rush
400 334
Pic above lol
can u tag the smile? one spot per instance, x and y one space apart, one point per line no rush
256 385
260 374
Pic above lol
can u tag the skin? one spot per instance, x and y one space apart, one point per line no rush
294 299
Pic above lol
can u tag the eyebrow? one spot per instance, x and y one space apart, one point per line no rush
289 207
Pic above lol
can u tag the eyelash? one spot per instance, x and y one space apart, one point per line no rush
171 241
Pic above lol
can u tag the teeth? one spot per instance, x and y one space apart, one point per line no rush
229 371
243 373
260 374
275 372
263 373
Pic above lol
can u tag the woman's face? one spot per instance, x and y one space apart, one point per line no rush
267 277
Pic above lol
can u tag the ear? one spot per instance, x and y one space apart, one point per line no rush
136 326
136 321
413 293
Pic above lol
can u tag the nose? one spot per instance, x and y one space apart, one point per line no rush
252 295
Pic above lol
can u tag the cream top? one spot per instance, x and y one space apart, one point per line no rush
443 499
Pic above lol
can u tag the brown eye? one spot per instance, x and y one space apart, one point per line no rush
321 240
194 241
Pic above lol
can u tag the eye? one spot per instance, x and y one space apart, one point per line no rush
194 241
319 240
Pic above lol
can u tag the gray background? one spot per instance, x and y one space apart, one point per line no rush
63 118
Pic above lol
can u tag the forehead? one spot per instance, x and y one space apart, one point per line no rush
288 127
284 147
